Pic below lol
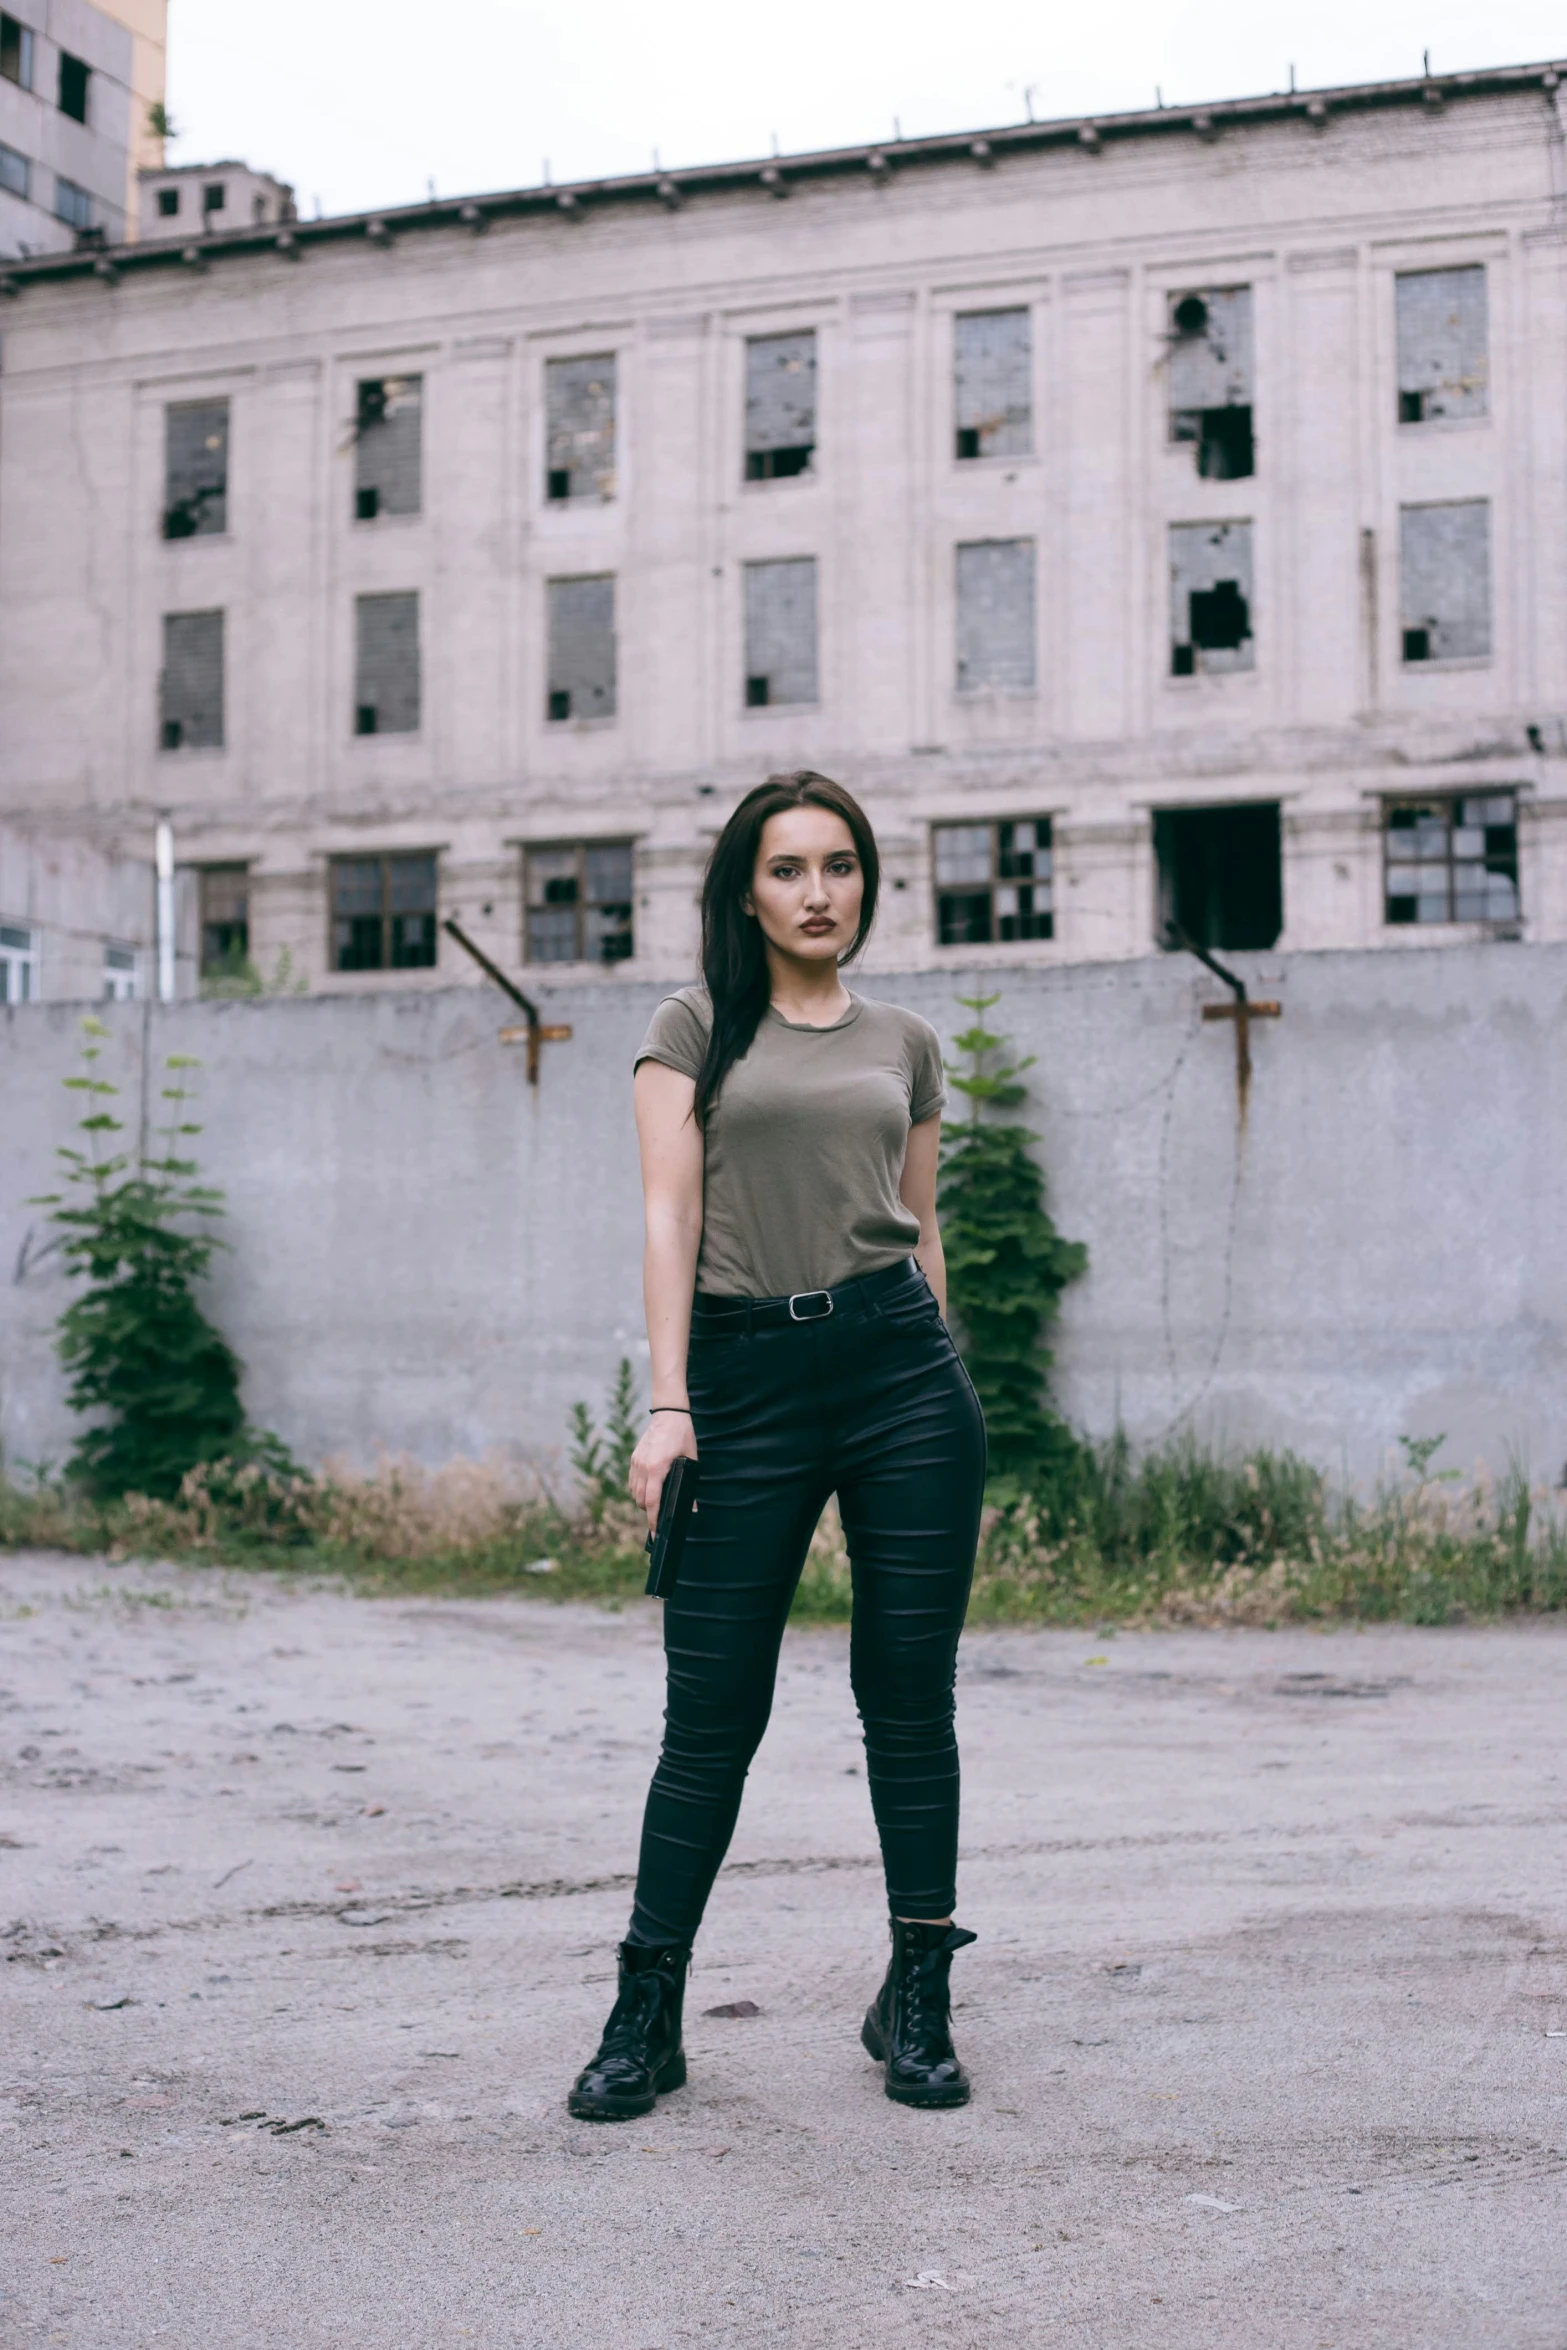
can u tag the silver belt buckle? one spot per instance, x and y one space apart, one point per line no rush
801 1294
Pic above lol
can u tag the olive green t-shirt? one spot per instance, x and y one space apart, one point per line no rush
804 1148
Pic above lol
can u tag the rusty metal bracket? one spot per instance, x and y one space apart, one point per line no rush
1243 1011
537 1031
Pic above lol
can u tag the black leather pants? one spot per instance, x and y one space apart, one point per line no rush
870 1403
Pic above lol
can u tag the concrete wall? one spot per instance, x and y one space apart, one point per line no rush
1317 221
428 1254
75 899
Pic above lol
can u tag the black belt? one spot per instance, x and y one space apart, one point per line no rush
727 1316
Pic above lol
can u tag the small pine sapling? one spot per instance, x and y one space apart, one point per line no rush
1006 1263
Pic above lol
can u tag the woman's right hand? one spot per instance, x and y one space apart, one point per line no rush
670 1437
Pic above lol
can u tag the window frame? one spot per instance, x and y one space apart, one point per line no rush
566 498
1422 423
964 458
997 878
386 859
377 732
766 474
1450 802
192 508
70 219
568 717
1413 664
23 193
121 980
219 742
749 678
69 66
26 72
208 965
1185 673
15 955
367 509
977 690
1197 429
582 904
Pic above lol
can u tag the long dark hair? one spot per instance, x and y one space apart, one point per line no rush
734 956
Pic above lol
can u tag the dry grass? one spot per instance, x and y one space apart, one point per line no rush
1177 1538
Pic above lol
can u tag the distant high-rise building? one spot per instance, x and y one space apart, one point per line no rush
81 103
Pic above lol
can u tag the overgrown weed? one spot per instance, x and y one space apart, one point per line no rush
1178 1536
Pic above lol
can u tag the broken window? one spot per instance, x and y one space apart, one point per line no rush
225 920
168 203
195 469
780 632
383 913
18 964
387 446
996 616
1210 598
1221 877
15 172
780 405
993 369
16 51
579 901
120 975
190 695
993 881
1452 860
73 86
72 204
581 648
1445 580
1210 379
579 423
386 664
1441 324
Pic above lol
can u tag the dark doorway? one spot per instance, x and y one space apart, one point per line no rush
1220 874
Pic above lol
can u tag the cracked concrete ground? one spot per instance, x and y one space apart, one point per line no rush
311 1902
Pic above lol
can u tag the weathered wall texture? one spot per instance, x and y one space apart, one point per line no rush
428 1255
71 895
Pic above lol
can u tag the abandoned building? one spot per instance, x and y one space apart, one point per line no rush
1156 519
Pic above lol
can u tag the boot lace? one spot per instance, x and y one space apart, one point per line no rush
633 2016
927 1999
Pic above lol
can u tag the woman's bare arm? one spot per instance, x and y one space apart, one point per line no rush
918 1194
671 1147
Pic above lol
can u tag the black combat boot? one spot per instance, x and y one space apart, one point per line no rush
907 2029
640 2056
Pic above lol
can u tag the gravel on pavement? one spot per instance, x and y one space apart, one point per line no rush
309 1912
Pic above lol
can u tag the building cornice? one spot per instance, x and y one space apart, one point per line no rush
775 176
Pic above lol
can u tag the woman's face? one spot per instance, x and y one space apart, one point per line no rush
808 885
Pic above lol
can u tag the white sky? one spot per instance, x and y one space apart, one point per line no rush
364 102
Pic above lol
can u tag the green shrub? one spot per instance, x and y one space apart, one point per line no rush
136 1343
1006 1263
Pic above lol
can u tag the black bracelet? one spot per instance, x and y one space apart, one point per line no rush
669 1407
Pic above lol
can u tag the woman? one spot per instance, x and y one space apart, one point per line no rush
795 1288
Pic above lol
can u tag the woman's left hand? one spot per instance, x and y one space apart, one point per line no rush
670 1438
